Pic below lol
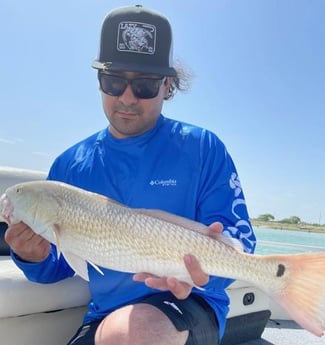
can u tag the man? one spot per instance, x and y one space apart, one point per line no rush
145 160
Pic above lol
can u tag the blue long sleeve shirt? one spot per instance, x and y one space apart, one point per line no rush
176 167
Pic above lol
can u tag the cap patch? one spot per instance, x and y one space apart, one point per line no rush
136 37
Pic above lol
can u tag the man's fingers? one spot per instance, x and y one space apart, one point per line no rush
180 290
151 280
198 276
26 244
215 228
141 277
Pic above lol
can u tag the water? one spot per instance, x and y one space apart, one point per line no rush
288 242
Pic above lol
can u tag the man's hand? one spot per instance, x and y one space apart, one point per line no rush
26 244
181 290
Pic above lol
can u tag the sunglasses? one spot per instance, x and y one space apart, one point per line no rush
144 88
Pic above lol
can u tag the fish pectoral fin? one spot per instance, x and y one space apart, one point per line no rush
78 264
56 233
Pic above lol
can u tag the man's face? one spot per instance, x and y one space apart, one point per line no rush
129 115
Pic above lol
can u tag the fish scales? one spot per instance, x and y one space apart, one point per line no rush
121 238
87 227
125 239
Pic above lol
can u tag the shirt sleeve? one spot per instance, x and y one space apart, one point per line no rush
221 197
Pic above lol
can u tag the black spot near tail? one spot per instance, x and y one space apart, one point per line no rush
281 270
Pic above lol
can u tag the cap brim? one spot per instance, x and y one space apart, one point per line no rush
109 66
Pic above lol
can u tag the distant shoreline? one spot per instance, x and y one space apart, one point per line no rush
286 226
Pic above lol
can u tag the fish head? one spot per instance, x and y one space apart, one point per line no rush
33 203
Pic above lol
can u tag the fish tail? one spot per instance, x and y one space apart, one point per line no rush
303 295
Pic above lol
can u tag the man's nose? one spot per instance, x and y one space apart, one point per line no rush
128 96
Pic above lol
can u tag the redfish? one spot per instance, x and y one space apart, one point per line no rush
90 228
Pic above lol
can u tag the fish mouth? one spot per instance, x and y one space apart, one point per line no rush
6 208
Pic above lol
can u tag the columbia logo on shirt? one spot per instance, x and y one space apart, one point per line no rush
163 183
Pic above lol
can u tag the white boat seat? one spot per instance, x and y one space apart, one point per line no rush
18 296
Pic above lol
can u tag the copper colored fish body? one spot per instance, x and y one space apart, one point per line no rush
90 228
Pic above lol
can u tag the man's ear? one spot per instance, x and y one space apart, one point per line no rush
168 92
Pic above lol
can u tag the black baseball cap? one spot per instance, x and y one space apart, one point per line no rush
136 39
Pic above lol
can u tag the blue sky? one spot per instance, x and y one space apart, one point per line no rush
259 85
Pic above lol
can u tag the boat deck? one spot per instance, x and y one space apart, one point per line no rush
283 332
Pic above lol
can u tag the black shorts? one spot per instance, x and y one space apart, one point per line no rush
192 314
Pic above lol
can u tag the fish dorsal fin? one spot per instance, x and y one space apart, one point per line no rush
105 198
174 219
191 225
230 241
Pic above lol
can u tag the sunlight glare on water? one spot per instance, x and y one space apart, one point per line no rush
275 241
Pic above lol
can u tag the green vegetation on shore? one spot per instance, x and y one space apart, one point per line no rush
267 220
301 226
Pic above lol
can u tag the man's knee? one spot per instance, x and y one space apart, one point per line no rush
138 324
